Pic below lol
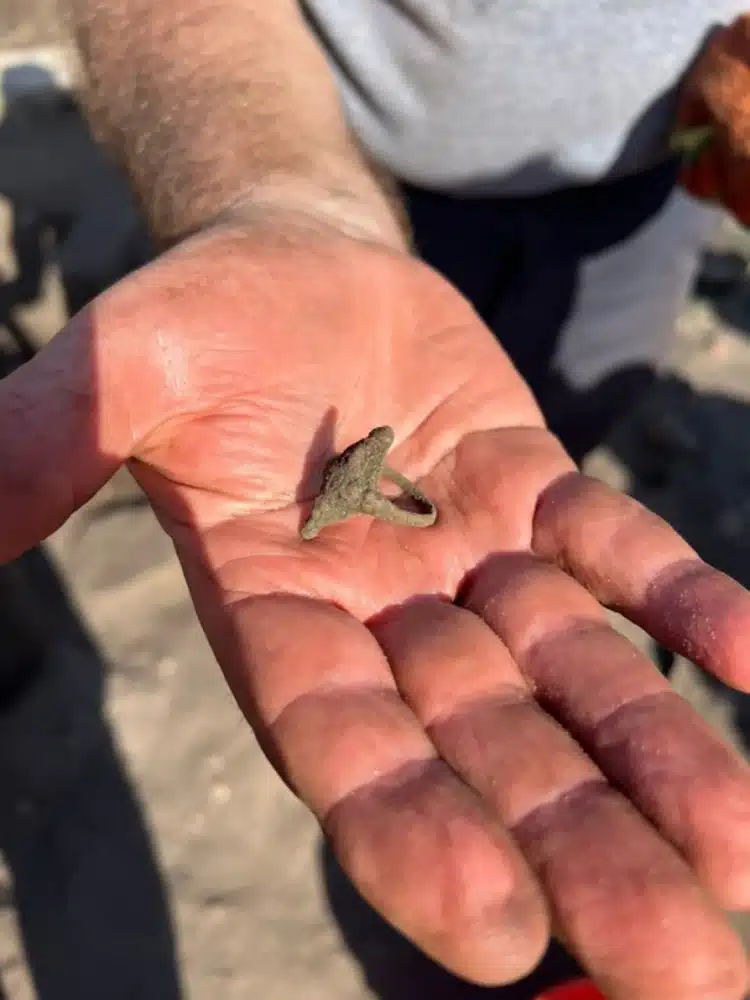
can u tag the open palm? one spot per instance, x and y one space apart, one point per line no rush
489 759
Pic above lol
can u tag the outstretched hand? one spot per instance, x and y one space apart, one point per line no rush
490 760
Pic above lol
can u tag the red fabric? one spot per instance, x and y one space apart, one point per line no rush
717 93
577 989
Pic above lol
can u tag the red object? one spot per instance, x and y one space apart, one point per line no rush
716 95
577 989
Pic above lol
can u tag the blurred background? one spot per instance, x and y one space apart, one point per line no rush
146 849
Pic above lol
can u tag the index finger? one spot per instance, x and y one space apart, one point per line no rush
634 563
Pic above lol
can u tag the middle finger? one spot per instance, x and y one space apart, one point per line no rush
601 864
647 739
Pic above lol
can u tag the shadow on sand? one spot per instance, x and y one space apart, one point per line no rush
90 898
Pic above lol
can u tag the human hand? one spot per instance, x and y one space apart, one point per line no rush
714 110
487 756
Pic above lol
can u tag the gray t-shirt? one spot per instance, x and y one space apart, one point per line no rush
513 96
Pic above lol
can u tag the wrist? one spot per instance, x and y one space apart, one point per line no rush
365 209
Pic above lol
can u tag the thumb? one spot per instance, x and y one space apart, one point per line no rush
64 430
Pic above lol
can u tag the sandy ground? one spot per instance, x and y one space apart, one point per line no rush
149 850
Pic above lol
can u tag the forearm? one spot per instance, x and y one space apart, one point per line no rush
214 106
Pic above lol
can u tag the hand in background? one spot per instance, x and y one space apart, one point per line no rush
715 104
